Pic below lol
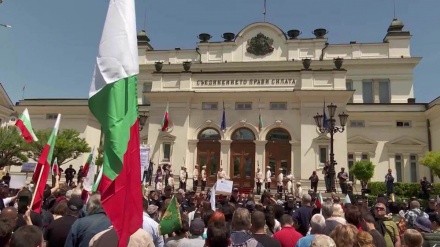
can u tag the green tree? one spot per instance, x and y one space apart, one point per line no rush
69 145
432 161
363 170
100 157
13 147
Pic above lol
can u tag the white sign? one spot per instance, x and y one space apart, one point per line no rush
145 159
17 181
224 187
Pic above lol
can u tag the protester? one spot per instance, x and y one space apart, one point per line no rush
178 235
386 226
304 214
287 236
6 228
258 231
109 238
414 212
344 235
314 179
322 241
27 236
150 216
218 235
364 239
196 230
317 226
368 221
412 238
241 223
70 174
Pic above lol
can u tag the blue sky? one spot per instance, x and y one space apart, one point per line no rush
52 45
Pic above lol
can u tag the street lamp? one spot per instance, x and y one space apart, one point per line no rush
329 126
142 120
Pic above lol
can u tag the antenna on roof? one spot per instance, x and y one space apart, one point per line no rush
264 11
145 18
394 9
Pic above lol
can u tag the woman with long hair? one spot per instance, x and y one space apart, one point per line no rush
364 239
344 235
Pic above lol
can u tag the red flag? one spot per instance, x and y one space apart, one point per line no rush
165 120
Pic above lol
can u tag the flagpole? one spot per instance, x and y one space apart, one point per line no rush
36 186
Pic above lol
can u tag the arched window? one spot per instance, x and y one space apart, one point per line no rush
209 134
243 134
278 135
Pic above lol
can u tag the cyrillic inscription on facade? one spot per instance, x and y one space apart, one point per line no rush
246 82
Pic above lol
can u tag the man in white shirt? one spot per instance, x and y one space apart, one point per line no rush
259 180
203 178
183 177
268 178
171 179
195 177
280 181
298 192
4 191
149 224
289 185
221 174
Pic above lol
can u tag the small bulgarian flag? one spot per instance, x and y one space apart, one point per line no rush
24 125
318 201
55 169
41 172
165 119
87 164
113 101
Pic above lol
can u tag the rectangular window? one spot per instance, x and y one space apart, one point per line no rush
51 116
367 91
146 87
398 164
209 105
365 157
166 151
413 167
384 91
243 106
349 86
403 124
278 105
357 123
350 162
323 154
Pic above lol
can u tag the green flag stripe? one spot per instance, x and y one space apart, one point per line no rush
27 123
115 107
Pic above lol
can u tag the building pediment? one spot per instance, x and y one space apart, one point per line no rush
361 144
406 141
322 138
406 144
165 136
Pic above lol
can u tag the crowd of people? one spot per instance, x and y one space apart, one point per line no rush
70 217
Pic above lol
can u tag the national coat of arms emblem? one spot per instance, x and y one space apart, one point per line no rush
260 45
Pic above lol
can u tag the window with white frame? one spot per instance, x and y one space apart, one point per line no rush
278 105
357 123
398 164
350 161
210 105
413 167
166 151
323 154
367 91
403 124
243 106
384 91
349 86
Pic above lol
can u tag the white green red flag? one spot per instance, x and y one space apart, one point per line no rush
24 125
42 169
113 101
89 180
318 201
165 120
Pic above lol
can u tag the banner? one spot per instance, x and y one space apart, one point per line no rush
145 159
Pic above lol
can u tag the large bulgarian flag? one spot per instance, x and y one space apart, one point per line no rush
42 169
113 101
24 125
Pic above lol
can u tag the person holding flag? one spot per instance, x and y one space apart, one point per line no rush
41 172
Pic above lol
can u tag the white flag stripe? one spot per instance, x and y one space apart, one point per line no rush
212 198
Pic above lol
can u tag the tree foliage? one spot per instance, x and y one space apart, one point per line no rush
69 145
432 161
363 170
13 147
100 157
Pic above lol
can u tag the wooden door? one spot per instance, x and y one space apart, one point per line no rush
242 170
208 154
278 155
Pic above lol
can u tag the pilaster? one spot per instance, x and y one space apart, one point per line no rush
224 155
260 148
406 171
295 158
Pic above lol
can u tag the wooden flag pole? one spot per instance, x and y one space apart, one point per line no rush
36 186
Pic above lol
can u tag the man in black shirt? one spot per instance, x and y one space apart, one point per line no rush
57 231
258 232
70 174
304 214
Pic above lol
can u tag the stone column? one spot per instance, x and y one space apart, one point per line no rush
392 163
260 157
224 156
295 160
